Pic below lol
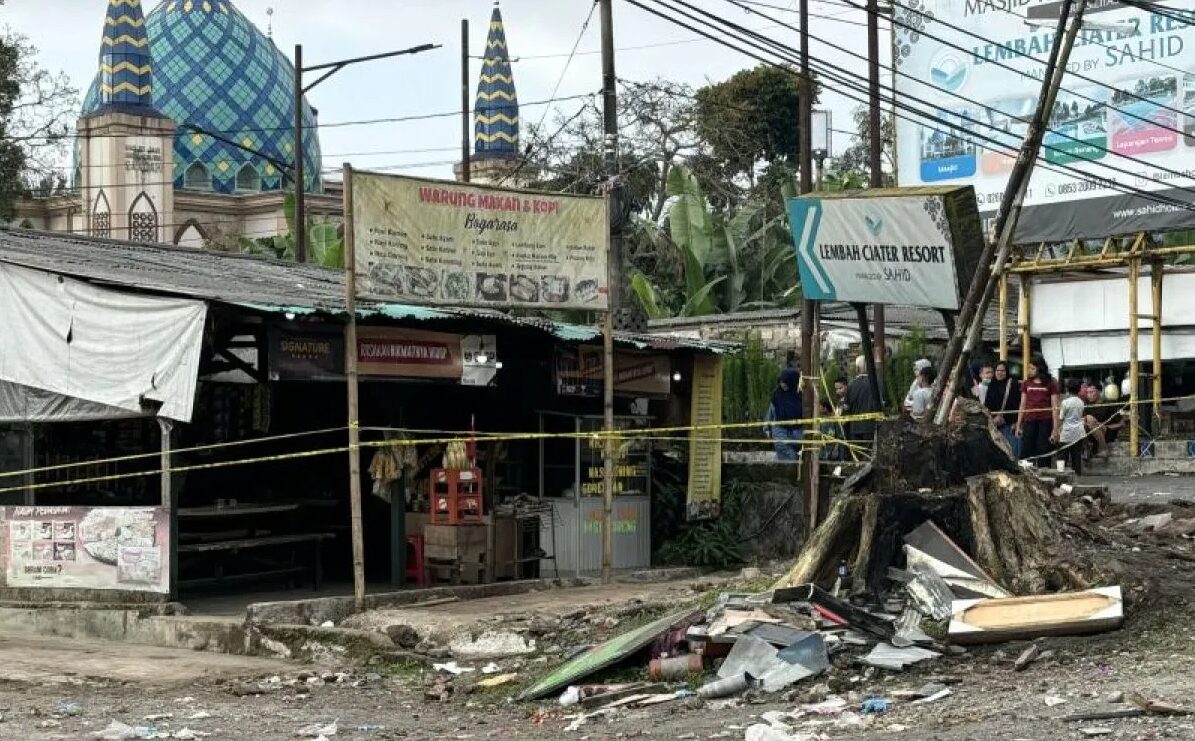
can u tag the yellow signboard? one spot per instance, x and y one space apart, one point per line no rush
436 242
705 440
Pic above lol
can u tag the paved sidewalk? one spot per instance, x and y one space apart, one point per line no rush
1146 489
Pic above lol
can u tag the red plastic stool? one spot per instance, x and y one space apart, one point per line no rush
415 573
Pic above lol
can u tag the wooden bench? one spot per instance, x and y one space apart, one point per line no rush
228 548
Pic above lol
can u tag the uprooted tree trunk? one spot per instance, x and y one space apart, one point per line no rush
962 477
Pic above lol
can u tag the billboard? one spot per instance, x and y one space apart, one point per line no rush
580 371
1143 106
907 246
435 242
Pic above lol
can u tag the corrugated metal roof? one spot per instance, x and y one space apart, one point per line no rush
261 284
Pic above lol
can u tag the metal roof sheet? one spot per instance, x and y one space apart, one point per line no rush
262 284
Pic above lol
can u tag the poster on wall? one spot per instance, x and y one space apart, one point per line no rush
975 66
384 352
437 242
119 548
580 371
905 246
704 501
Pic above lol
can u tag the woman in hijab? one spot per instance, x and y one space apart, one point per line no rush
1003 400
785 407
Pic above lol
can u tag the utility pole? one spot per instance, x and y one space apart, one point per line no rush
876 178
808 308
614 278
300 194
995 254
466 124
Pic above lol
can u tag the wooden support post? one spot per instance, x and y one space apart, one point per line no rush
169 503
608 450
1003 315
1156 273
398 530
350 372
1023 309
1134 364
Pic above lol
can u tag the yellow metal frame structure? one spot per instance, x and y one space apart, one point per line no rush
1116 252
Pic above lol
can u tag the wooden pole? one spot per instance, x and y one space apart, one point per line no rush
1156 274
169 503
1134 364
613 279
1003 316
808 308
350 373
876 168
300 191
995 252
608 450
1023 318
466 127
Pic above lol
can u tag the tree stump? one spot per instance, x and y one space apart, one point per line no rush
962 477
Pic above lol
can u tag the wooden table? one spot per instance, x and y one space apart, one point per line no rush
228 546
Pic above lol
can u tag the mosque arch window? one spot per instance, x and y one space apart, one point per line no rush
197 177
248 179
143 220
101 217
190 234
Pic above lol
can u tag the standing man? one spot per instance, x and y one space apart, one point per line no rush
860 400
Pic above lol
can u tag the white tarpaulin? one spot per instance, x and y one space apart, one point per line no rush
102 346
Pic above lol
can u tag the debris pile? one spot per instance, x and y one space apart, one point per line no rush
943 542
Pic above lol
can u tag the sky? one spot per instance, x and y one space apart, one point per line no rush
541 33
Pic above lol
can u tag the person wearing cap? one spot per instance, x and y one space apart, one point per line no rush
918 366
786 407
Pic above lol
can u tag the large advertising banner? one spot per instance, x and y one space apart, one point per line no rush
977 64
906 246
125 548
435 242
704 500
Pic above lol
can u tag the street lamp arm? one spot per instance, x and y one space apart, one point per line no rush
334 67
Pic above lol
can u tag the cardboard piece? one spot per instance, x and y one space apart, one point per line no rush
1012 618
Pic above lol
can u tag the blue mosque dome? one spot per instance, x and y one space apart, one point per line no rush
214 70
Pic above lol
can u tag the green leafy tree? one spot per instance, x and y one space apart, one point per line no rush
12 158
851 170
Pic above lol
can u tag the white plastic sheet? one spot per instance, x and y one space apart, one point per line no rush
116 349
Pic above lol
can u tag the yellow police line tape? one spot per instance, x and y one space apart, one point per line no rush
158 453
447 437
824 440
458 437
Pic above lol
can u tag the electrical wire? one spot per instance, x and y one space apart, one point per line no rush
555 90
314 127
1055 132
921 114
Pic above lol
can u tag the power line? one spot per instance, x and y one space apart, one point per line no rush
972 101
564 72
1079 174
315 127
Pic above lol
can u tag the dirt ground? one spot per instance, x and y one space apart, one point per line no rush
990 700
63 689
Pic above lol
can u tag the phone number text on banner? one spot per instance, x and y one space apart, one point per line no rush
435 242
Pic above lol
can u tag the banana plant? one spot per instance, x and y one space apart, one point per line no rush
325 245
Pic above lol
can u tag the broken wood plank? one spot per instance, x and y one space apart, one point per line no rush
1069 613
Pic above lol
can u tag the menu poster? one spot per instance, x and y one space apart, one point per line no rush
704 499
436 242
124 548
